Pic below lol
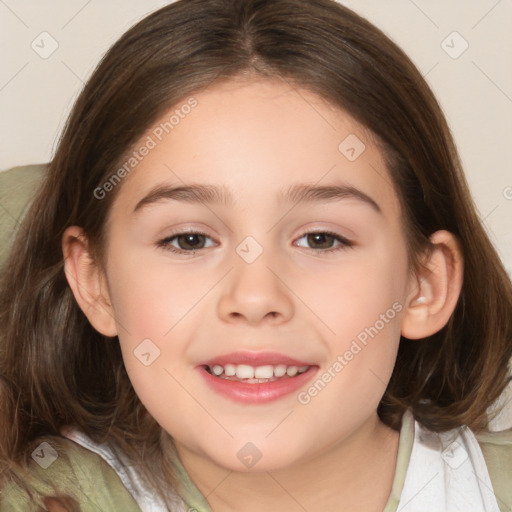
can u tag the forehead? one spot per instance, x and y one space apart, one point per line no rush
256 138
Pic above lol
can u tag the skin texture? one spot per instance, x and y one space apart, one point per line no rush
258 138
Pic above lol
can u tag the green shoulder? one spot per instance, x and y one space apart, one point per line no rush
63 469
497 450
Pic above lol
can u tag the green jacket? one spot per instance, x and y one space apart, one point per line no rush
85 476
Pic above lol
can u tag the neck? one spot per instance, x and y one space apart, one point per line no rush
356 474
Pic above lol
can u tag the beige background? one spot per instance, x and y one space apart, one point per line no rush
474 87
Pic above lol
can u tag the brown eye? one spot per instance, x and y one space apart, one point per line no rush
320 240
190 241
324 241
186 242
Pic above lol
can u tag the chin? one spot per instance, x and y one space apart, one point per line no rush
255 457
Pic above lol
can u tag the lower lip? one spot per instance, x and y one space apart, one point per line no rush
257 393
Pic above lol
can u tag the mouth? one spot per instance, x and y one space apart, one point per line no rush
255 375
256 378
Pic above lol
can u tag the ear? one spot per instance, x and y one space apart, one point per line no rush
435 290
87 281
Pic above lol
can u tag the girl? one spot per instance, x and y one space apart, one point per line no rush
254 279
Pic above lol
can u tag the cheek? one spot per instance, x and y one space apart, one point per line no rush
362 306
154 308
150 300
366 319
365 291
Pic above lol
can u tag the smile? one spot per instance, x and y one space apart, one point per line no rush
256 378
253 375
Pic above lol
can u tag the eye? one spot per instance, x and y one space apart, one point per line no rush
325 241
185 242
191 241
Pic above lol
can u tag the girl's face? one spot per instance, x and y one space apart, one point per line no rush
286 256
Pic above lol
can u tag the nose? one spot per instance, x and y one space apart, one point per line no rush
256 293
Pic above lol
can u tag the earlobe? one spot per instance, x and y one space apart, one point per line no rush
87 282
435 291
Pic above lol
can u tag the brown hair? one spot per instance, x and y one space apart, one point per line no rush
57 370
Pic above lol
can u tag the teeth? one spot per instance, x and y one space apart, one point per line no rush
244 371
217 370
292 371
229 370
280 370
264 372
256 374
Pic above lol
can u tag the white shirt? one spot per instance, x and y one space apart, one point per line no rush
446 473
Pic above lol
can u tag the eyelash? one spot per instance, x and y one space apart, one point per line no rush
344 243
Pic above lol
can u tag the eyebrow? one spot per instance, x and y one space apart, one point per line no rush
212 194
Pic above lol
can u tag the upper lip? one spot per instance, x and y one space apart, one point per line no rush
255 359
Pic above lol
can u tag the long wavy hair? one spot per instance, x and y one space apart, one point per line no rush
56 370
